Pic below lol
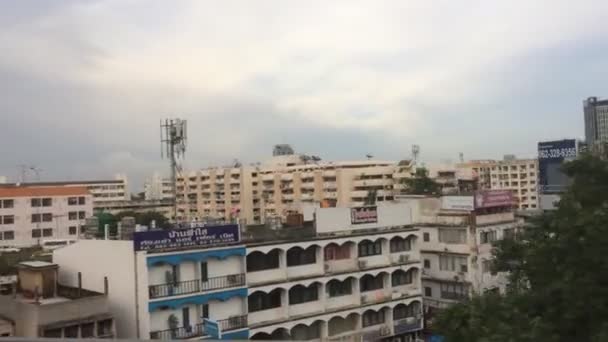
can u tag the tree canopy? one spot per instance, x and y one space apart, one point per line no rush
421 183
558 271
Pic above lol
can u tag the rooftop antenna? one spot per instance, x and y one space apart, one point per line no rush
369 156
461 157
415 153
173 138
24 169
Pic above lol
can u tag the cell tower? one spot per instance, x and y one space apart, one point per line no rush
415 153
173 138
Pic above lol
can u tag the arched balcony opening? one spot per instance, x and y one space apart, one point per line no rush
340 325
302 332
300 294
260 301
258 261
297 256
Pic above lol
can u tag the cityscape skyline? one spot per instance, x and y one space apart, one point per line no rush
364 79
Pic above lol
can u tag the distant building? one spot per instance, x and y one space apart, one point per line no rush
43 306
552 181
164 207
31 214
283 185
101 190
596 122
158 188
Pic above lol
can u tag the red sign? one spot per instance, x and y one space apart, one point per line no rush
361 215
494 198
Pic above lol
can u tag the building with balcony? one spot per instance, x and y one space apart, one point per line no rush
283 185
166 293
157 188
42 306
357 277
456 245
31 214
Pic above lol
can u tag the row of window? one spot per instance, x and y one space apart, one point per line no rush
451 291
299 294
449 262
7 219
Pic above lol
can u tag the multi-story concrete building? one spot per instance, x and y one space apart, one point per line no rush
158 188
42 306
254 193
457 232
31 214
520 176
352 275
102 191
596 122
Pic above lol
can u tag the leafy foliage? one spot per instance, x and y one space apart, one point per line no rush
421 184
558 270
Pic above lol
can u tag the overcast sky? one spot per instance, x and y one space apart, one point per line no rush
83 84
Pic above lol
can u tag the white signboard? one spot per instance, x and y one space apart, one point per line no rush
458 203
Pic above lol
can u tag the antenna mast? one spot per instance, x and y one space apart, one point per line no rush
173 137
415 153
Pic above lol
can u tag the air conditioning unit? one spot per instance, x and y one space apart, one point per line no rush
362 264
385 330
404 258
327 268
364 299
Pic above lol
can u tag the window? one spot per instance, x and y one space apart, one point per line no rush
72 215
104 327
259 301
258 261
402 311
7 204
454 291
81 200
300 294
427 263
453 263
401 278
508 233
82 215
368 248
488 237
46 232
9 235
338 288
297 256
36 218
426 237
452 236
400 245
486 266
72 200
373 318
335 252
428 292
87 330
205 309
47 202
7 219
71 331
72 230
36 233
370 283
36 202
47 217
52 333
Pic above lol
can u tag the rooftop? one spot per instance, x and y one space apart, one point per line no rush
36 191
60 183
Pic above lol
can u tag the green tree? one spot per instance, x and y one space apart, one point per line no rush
558 270
421 183
145 218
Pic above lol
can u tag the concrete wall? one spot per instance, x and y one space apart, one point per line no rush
339 219
97 259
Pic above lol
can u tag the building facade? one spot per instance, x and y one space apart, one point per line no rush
157 188
456 245
41 306
596 121
255 193
356 276
32 214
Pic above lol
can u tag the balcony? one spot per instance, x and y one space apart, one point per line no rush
330 185
229 324
406 325
181 333
194 286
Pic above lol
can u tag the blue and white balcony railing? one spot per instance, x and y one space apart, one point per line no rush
195 286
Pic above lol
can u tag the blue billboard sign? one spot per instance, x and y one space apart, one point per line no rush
551 156
186 238
212 328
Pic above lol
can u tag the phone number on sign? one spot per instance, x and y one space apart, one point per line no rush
557 153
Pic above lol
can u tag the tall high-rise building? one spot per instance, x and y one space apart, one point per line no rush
596 121
158 188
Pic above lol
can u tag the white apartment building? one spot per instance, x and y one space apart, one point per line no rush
255 193
456 245
520 176
32 214
102 191
158 188
354 275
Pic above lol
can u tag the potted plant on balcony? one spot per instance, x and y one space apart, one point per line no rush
173 322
